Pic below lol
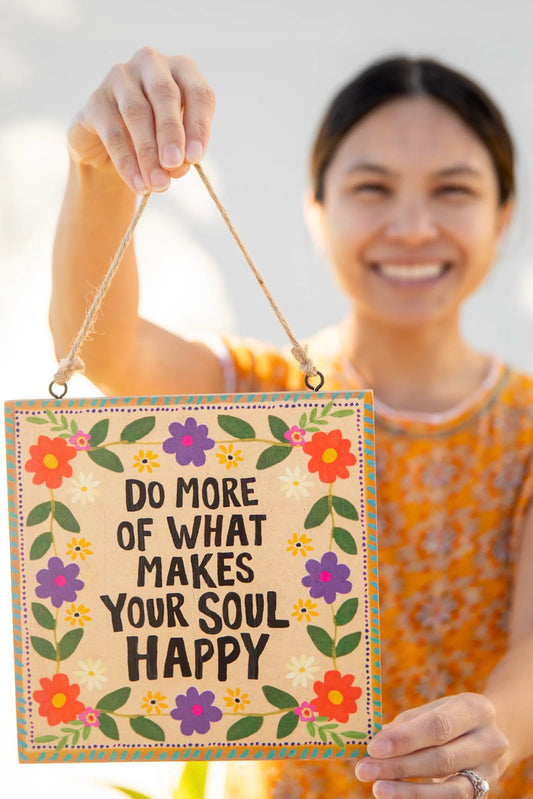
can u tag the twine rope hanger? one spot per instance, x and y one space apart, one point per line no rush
73 363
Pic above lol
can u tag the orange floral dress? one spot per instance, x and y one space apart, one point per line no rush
453 489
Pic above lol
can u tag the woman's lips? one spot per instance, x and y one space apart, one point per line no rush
411 273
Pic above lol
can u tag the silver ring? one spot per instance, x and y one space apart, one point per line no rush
480 786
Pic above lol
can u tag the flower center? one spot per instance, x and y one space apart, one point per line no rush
50 461
58 700
329 455
197 710
325 577
335 697
187 442
60 580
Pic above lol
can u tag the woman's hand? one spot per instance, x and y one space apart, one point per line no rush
149 119
433 743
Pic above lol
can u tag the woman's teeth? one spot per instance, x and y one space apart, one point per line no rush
413 273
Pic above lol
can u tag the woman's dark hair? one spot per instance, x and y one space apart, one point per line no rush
399 77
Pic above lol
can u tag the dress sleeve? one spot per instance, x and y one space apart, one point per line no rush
251 366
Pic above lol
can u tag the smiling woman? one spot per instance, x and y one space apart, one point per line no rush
412 189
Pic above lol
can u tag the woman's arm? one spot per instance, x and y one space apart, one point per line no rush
148 120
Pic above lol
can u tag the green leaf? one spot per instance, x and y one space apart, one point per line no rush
107 459
321 639
65 518
345 540
147 728
287 724
36 420
74 426
244 727
40 546
318 513
131 793
62 743
302 421
322 735
192 782
51 416
311 729
279 698
347 611
344 412
335 737
69 642
272 456
344 508
312 415
137 429
108 727
43 616
354 734
347 644
114 700
46 739
98 432
326 409
278 428
237 428
44 648
39 513
86 732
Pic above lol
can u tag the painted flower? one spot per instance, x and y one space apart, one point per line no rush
84 488
154 702
229 456
335 696
146 460
195 711
58 700
188 442
80 440
235 700
78 548
326 578
299 544
59 582
301 670
295 436
91 673
330 455
294 483
304 610
77 615
90 717
50 461
306 712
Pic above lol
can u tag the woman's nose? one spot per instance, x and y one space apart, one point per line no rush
411 222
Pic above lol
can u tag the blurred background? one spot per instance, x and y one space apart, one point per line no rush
273 68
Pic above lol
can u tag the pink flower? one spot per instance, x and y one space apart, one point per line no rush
306 712
90 717
295 436
80 440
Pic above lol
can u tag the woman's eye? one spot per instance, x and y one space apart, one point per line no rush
456 190
370 188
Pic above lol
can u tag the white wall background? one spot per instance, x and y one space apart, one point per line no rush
273 67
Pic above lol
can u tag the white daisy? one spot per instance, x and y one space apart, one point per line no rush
300 670
294 483
91 673
84 488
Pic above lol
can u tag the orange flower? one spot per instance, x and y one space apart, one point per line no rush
77 614
58 700
304 610
330 455
50 461
335 697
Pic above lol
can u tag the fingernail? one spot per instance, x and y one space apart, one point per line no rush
366 771
172 157
194 151
383 790
139 185
159 180
379 747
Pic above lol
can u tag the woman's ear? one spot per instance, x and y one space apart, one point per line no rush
314 217
505 215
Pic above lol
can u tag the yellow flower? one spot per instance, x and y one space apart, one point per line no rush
299 543
304 611
146 460
154 702
235 700
78 548
229 456
77 614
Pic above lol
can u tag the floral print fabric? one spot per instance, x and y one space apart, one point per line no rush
452 494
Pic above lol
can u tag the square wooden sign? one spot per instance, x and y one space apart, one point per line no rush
194 577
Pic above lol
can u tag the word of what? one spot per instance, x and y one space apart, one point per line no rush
214 531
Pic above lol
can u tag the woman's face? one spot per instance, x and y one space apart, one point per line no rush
410 218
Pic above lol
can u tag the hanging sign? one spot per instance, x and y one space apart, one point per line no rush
194 577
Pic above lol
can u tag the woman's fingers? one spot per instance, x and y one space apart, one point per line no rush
452 788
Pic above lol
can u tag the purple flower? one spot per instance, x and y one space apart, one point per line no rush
188 442
327 578
195 711
59 582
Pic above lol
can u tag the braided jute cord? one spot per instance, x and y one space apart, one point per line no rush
73 363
